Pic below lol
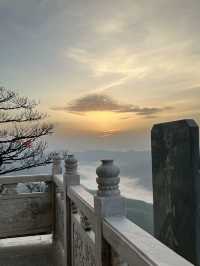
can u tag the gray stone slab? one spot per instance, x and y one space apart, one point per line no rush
26 214
27 251
176 189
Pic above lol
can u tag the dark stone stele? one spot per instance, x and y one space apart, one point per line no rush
176 187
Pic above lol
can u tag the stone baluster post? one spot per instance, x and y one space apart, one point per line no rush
107 202
176 187
56 170
71 178
56 166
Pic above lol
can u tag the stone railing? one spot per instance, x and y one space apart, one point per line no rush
92 230
96 230
87 230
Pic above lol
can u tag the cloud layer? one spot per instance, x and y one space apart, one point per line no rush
103 102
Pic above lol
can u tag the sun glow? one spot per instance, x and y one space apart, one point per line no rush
102 124
104 121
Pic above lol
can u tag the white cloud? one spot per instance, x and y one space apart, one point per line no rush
118 61
110 26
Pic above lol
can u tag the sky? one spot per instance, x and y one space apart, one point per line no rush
103 71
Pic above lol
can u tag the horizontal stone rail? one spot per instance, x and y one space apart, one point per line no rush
136 246
4 180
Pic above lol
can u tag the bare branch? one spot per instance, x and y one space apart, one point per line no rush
9 100
21 144
6 95
29 133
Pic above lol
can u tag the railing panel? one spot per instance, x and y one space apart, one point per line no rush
83 243
26 213
4 180
137 247
83 200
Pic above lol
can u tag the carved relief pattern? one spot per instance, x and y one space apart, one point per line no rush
85 223
74 208
9 189
20 188
82 251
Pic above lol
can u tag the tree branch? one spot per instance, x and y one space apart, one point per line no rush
21 144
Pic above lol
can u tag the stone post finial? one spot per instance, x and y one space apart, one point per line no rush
71 164
56 167
70 178
108 202
108 179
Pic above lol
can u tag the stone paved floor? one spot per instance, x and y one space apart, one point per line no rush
26 251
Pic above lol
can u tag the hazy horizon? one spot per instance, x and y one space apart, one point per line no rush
135 171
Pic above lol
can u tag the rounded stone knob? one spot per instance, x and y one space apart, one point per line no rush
56 167
108 179
71 164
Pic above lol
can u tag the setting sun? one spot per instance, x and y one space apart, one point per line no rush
103 121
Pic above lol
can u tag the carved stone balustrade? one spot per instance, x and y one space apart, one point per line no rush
93 230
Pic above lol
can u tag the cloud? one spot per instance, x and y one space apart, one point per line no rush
112 26
135 44
103 102
119 61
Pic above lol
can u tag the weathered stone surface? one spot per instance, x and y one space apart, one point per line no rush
70 178
108 179
85 222
25 214
176 190
83 244
59 219
27 251
56 166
